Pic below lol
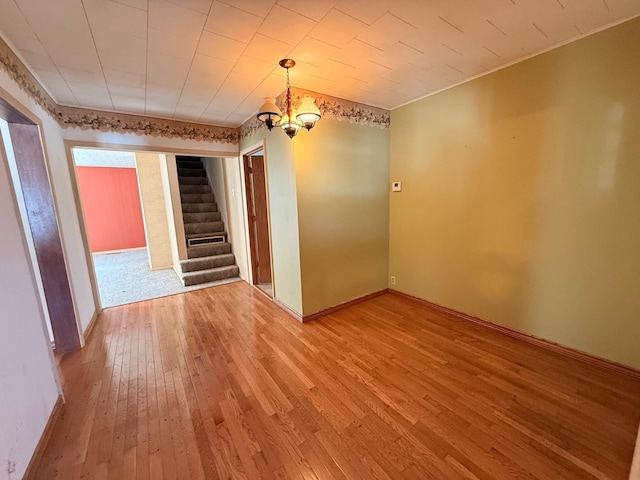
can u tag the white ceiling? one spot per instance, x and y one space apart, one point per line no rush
212 61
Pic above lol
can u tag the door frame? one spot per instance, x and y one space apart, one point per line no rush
15 112
69 145
246 152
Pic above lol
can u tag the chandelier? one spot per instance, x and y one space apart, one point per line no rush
292 121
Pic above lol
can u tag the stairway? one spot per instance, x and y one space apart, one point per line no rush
209 256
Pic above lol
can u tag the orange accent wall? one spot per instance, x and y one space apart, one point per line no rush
112 210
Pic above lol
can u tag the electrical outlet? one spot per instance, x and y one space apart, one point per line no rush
393 280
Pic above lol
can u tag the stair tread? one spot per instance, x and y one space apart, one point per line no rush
214 222
208 234
203 259
225 268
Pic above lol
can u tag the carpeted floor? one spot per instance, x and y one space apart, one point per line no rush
125 277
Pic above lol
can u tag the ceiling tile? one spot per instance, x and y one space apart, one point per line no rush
313 51
252 67
207 72
260 8
122 103
369 71
337 29
38 60
173 18
367 11
202 6
270 87
17 30
56 86
166 70
187 113
158 95
119 51
106 14
98 102
171 44
267 49
125 78
386 31
313 10
356 53
83 89
214 118
140 4
49 18
217 46
233 23
79 76
396 55
288 26
195 99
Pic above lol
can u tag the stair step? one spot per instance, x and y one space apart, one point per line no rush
205 263
208 250
199 207
219 233
196 198
192 172
204 228
201 217
195 188
182 180
210 275
189 164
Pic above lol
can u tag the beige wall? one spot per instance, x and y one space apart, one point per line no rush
173 209
154 212
521 196
342 182
225 178
285 245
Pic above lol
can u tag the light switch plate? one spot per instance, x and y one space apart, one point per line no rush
396 186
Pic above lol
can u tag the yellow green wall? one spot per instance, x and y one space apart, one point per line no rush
329 206
521 196
285 250
342 180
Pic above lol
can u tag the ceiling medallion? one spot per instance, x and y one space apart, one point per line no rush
291 122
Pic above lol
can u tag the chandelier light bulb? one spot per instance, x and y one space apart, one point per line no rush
308 112
269 112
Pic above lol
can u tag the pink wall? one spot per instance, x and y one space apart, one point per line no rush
111 203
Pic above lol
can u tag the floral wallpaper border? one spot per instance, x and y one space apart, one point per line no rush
330 107
84 118
156 127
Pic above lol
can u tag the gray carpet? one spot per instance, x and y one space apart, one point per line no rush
125 277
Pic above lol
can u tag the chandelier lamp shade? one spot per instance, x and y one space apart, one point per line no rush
291 121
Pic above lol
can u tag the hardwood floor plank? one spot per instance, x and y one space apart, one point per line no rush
221 383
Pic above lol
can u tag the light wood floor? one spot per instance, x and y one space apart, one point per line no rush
220 383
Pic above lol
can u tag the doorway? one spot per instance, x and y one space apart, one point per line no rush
255 178
24 152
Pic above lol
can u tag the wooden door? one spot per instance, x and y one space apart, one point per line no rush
256 188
